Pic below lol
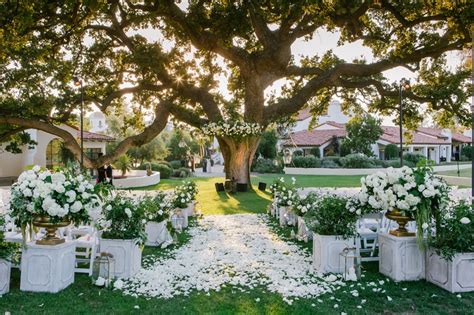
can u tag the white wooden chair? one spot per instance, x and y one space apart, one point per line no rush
87 245
368 228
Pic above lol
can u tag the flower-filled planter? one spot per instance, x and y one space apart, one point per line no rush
450 259
123 233
7 251
284 197
51 200
183 196
334 228
301 208
157 213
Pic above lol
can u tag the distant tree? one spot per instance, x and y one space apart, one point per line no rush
392 152
267 147
123 163
180 145
152 151
362 132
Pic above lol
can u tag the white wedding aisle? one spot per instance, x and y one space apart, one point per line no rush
232 250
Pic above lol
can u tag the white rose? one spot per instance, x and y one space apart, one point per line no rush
465 220
71 196
128 212
425 226
76 207
108 208
36 168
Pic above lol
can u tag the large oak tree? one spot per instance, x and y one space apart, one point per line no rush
167 57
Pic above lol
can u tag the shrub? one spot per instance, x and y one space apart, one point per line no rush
329 163
298 153
315 152
467 152
176 164
165 171
379 163
306 161
392 152
267 147
123 163
344 149
266 166
415 158
357 160
329 216
182 172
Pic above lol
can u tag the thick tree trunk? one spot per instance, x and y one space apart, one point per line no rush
238 156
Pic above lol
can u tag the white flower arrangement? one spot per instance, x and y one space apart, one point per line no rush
60 195
417 193
284 194
184 194
239 129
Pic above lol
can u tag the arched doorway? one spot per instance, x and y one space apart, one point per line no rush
57 154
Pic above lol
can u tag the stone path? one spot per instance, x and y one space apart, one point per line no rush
232 250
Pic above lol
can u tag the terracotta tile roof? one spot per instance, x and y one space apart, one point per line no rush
334 124
92 136
392 134
303 114
313 137
437 132
458 137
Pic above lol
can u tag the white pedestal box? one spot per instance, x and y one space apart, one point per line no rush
190 209
326 250
303 232
156 233
127 255
455 276
47 268
282 211
5 270
401 258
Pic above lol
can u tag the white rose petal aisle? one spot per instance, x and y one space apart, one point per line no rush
236 250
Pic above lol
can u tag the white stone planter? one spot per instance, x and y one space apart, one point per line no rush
5 270
455 276
191 208
326 250
291 217
282 211
47 268
401 258
156 233
127 255
303 232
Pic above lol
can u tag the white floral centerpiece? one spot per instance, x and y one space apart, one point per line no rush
49 199
285 197
404 192
239 129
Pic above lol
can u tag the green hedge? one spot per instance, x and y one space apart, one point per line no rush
266 166
306 161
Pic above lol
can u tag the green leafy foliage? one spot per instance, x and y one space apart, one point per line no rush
266 166
267 147
455 231
123 219
362 132
392 152
306 161
123 163
467 151
328 216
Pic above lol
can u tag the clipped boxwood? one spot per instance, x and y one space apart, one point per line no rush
182 172
306 161
329 163
357 160
176 164
266 166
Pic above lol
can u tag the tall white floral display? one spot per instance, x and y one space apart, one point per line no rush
157 214
404 195
51 200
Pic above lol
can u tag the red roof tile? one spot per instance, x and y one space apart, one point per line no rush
92 136
392 134
458 137
313 137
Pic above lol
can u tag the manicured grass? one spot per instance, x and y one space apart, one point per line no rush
256 201
467 172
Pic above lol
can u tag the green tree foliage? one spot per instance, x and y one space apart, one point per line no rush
267 147
123 163
112 46
466 152
392 152
180 145
362 132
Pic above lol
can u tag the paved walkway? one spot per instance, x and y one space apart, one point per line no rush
217 171
236 250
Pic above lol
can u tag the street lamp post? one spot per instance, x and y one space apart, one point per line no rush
404 85
78 82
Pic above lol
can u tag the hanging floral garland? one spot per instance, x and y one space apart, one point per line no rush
238 129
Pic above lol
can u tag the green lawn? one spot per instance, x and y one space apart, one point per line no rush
83 298
467 172
213 203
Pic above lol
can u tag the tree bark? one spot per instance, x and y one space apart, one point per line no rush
238 157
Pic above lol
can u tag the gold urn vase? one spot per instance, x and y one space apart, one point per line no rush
50 238
397 216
